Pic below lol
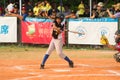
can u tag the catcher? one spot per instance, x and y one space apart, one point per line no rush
105 41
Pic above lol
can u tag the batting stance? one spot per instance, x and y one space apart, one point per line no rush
105 41
56 43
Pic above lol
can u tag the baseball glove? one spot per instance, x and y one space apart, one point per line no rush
104 40
117 57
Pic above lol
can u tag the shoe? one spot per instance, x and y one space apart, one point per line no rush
41 66
71 64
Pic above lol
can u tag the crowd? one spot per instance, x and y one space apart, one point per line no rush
45 9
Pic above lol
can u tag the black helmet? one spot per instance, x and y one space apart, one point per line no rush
61 16
117 32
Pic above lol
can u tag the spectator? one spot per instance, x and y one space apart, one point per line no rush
10 7
48 6
59 8
24 14
87 12
94 5
81 9
43 6
36 10
1 12
67 10
16 10
99 12
71 15
43 14
29 6
53 8
53 14
30 13
117 9
21 17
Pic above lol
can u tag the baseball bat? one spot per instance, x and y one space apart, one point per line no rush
76 32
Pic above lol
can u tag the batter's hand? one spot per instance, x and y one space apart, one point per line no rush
58 31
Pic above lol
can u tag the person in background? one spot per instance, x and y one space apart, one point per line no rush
81 9
21 17
29 6
43 6
30 13
117 9
87 12
43 14
94 5
99 12
59 8
1 11
67 10
48 6
53 8
36 10
16 9
53 15
10 7
71 15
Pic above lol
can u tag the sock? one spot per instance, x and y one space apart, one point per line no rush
67 59
45 58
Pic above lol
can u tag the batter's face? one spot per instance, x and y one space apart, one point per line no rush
58 20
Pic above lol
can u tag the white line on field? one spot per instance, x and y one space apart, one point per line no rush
23 67
76 75
61 70
67 75
114 72
29 77
18 67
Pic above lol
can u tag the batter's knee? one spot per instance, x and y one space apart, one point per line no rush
61 55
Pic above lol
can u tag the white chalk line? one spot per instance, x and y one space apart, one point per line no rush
83 65
67 75
26 78
114 72
24 67
39 74
18 68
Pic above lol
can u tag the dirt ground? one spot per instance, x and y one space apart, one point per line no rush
88 65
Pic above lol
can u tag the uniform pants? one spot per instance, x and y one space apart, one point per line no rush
56 44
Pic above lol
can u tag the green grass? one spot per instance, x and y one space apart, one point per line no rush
37 52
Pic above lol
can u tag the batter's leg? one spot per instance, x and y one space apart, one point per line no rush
49 51
58 46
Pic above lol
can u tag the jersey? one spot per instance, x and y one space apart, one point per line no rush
55 35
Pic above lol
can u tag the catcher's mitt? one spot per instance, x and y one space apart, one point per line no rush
104 40
117 57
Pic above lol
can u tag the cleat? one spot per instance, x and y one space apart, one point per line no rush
71 64
41 66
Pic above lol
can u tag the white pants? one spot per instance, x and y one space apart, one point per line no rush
56 44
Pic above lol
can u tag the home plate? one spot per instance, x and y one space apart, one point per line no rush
61 70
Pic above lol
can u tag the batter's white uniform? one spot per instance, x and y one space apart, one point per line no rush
56 44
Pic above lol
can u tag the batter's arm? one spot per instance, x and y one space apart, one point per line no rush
56 28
